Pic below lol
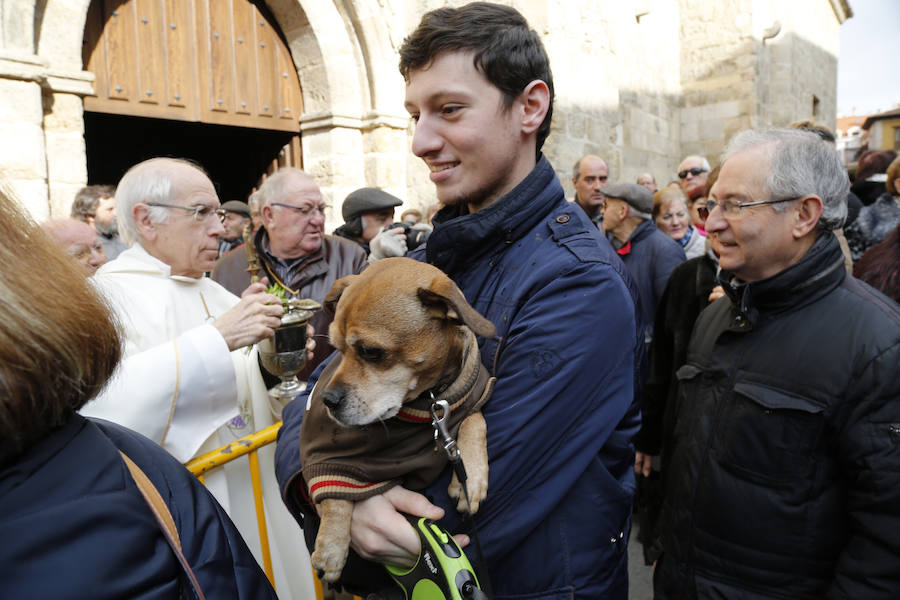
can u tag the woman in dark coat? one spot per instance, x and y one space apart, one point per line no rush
73 522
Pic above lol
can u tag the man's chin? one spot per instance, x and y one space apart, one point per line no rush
311 244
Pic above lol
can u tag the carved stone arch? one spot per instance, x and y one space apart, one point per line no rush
353 124
353 127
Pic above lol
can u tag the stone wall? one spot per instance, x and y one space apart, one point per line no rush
641 83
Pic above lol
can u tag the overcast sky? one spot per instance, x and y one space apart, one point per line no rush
868 79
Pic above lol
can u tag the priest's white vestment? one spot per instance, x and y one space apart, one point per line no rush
179 385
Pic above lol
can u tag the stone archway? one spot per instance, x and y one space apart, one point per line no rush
353 124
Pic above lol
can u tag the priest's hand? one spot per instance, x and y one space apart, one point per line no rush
254 318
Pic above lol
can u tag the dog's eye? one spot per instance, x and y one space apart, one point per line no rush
370 353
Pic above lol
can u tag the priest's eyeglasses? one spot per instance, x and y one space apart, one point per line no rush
733 209
201 211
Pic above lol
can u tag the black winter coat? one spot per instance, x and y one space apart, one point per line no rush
74 524
784 471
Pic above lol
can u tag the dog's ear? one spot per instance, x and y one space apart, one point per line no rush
334 294
443 300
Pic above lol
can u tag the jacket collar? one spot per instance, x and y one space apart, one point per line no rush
818 272
39 454
459 238
471 382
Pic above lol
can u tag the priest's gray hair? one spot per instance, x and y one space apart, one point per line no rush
147 181
800 164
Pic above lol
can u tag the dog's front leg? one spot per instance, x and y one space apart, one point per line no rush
333 539
472 442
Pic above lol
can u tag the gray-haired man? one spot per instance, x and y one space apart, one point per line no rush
782 478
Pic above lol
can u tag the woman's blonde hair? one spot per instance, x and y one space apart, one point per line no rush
58 343
664 196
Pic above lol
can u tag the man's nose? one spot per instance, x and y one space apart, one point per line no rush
715 220
425 139
218 228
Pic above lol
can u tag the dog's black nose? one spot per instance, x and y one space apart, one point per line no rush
332 398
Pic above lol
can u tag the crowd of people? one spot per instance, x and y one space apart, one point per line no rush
716 356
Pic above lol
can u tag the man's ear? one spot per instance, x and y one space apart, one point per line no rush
535 99
809 211
265 213
145 225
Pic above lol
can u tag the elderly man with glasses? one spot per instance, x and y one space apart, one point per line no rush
293 250
782 472
188 380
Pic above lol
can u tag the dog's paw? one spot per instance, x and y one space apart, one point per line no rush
477 488
329 562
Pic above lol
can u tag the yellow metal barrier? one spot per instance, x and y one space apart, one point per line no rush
249 444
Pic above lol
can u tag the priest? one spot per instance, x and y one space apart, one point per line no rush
190 379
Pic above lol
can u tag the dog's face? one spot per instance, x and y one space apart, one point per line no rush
398 326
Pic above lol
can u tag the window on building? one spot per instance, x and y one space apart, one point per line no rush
815 107
896 138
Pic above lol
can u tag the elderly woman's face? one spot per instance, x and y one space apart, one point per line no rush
673 219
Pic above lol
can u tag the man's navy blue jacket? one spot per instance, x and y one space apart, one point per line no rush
74 524
562 416
651 256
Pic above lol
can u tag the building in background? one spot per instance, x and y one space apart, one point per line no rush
850 137
883 130
88 87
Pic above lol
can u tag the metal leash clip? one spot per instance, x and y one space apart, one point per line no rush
441 434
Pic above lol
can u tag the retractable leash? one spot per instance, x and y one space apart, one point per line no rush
442 571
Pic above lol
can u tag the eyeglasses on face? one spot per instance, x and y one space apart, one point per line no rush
735 210
693 171
201 211
304 210
82 251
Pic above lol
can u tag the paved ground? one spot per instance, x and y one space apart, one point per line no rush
640 577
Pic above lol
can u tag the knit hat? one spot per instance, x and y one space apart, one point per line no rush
366 200
236 206
636 196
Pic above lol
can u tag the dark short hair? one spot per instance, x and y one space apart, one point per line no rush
506 50
87 199
873 162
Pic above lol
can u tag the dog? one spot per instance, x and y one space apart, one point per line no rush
404 332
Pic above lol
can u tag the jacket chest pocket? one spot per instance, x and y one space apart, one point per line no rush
688 413
769 435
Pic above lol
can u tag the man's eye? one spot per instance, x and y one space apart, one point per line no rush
370 353
449 110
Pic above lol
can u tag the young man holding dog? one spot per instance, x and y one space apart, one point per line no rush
556 518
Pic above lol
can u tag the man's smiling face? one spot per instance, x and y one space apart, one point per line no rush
470 141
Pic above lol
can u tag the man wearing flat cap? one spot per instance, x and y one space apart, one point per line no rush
293 250
237 214
367 213
649 254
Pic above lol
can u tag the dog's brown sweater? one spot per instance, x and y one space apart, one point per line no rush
355 463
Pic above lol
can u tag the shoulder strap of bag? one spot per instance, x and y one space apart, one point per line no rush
163 518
